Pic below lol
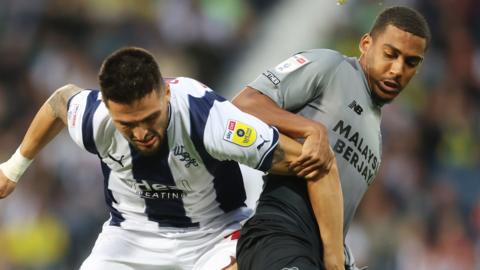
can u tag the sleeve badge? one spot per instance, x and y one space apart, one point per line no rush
240 133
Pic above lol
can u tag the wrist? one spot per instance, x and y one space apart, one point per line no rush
16 166
315 130
334 263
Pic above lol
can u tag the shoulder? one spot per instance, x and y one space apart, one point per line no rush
187 92
86 107
184 86
324 57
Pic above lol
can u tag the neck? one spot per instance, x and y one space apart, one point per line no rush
375 99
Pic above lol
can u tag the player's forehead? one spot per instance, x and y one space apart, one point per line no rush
137 110
394 38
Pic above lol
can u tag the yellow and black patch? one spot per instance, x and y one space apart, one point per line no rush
240 133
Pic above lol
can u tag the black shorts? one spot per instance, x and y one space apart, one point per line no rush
283 233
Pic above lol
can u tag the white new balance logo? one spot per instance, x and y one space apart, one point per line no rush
291 268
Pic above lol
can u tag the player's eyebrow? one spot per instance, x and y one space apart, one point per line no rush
416 58
153 115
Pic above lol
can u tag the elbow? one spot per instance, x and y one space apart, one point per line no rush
243 103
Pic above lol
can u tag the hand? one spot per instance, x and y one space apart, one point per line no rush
334 262
6 185
337 266
316 158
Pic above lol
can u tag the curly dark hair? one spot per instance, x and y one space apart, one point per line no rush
129 74
404 18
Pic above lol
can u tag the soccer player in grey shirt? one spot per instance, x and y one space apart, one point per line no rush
326 98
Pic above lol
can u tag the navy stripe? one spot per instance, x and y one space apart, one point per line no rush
163 199
117 217
70 99
228 180
267 159
87 123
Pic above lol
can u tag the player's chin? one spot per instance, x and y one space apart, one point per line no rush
385 96
150 149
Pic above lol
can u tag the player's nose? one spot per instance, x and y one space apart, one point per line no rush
139 133
396 69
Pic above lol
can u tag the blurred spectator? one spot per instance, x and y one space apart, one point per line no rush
52 219
423 211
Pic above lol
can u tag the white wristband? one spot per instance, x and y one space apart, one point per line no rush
15 166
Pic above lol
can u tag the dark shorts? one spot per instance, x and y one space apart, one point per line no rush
283 234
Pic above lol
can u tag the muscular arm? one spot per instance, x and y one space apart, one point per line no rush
315 155
326 193
286 152
47 123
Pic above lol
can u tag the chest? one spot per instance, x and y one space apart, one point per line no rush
176 164
353 124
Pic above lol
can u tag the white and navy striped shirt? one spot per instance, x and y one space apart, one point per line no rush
194 181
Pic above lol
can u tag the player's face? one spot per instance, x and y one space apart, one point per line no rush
390 60
144 121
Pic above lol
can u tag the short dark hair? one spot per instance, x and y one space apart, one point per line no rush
404 18
129 74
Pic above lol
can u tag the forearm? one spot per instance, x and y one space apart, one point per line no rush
327 202
255 103
48 122
285 153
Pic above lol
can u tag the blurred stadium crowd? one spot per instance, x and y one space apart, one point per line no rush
422 212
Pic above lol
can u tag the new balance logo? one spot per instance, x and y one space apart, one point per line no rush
356 107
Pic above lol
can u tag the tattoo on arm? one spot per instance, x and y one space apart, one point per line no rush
278 155
58 101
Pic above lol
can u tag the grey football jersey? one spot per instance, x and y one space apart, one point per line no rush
330 88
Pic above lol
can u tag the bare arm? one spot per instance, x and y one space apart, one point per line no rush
286 152
47 123
315 155
325 194
326 199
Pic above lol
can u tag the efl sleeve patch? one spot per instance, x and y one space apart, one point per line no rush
291 64
240 133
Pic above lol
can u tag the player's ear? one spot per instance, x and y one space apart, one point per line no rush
365 43
166 90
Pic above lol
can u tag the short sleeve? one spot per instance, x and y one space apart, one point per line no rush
231 134
84 117
299 79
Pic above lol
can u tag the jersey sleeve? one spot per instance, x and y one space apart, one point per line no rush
299 79
231 134
85 119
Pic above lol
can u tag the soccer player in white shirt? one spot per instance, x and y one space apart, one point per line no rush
169 152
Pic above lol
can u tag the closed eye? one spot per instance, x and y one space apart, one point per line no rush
413 61
390 55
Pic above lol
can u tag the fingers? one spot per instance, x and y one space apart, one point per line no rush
312 172
311 168
299 166
6 188
311 164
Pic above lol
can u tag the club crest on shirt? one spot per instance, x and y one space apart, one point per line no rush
239 133
291 64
